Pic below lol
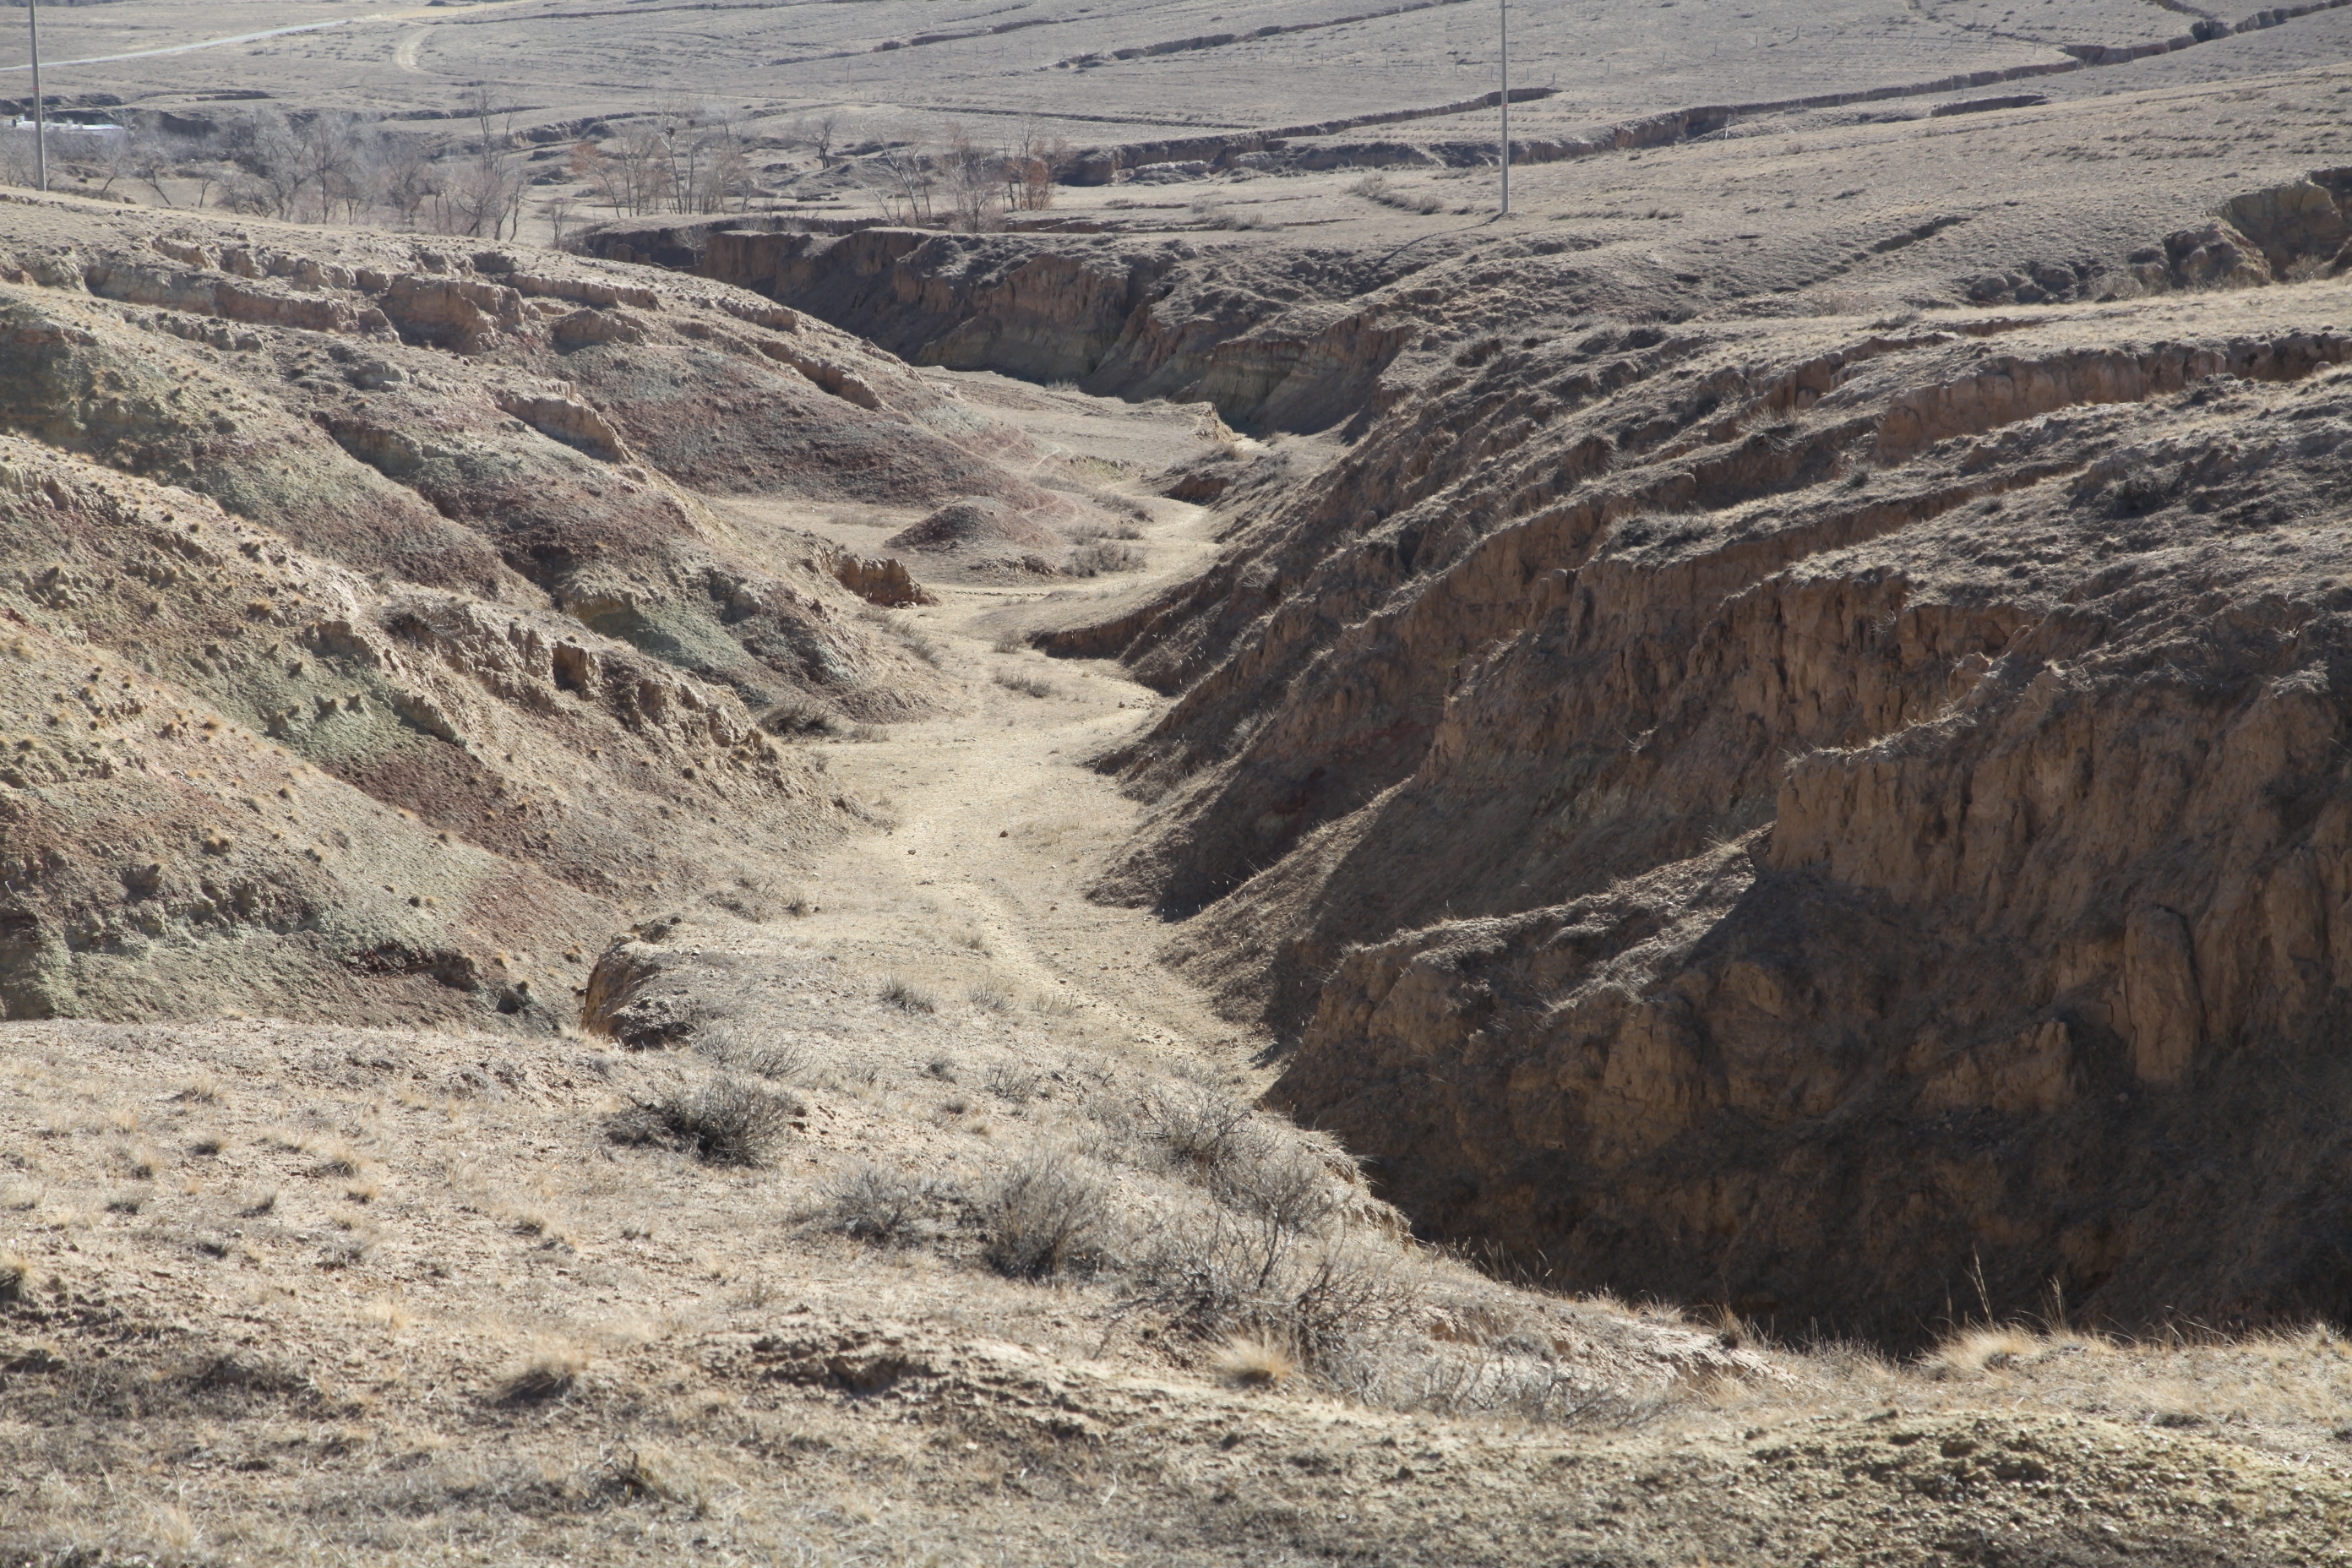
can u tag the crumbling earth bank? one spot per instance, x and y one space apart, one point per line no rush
1806 816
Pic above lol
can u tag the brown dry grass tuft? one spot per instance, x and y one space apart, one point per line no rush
907 998
1251 1361
553 1369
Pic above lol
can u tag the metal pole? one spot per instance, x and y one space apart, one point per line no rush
40 115
1502 9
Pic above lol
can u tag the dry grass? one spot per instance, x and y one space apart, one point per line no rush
1126 1221
907 998
1027 685
553 1369
1252 1362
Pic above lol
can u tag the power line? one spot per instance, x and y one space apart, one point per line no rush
40 118
1502 18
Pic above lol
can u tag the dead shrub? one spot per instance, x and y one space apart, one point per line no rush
896 993
1046 1217
797 714
878 1203
1218 1274
1028 685
727 1121
730 1047
14 1273
1103 556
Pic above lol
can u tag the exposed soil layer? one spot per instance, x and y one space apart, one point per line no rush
1801 813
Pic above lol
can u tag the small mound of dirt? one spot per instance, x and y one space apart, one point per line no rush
971 522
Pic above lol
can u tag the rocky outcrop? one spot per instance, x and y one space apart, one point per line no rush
2300 221
2269 235
885 582
568 420
456 313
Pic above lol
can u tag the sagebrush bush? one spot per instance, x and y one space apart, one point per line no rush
908 998
1217 1273
1243 1159
732 1047
727 1121
1102 556
878 1203
1027 686
1013 1083
1199 1129
1045 1216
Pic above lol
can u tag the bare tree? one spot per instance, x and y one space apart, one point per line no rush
404 175
1029 169
114 163
973 179
606 175
560 215
483 195
154 156
722 161
327 152
269 177
818 132
902 183
643 153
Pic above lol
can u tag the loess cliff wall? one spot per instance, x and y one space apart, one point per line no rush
1846 821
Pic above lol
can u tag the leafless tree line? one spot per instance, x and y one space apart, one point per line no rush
961 183
337 166
680 158
328 166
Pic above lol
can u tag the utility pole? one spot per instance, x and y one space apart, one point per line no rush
1504 17
40 115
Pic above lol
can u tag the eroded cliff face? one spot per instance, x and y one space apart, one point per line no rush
1804 815
1288 341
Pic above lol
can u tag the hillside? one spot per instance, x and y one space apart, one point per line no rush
1062 818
